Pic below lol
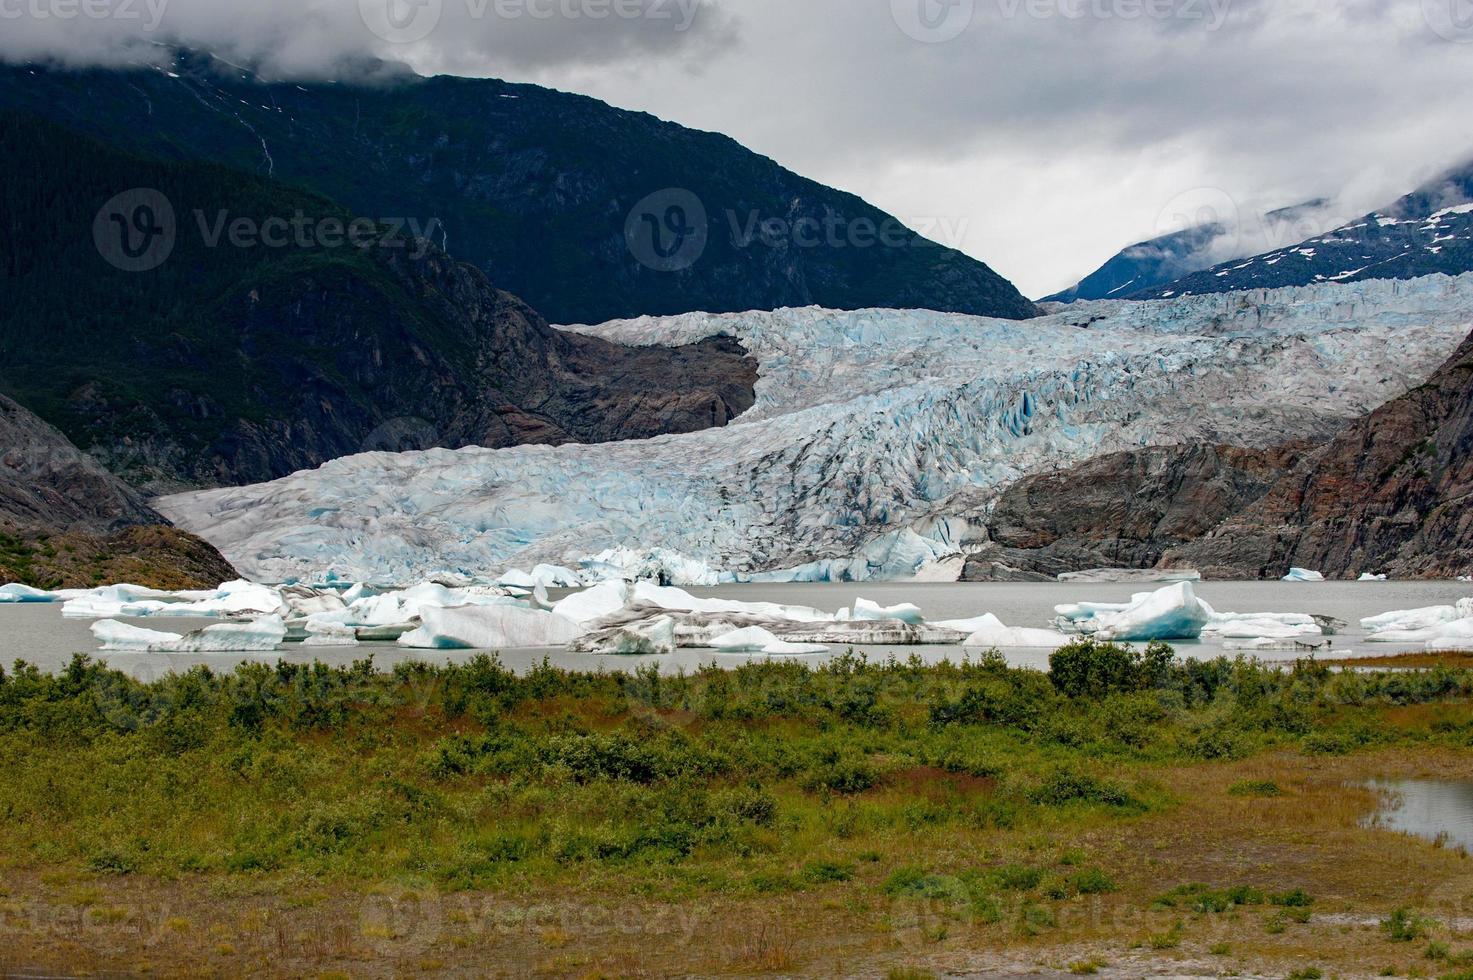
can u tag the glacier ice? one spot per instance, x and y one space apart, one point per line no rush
593 604
755 639
874 435
1428 617
990 632
864 609
114 635
15 592
654 636
1303 575
258 636
1369 577
489 628
1171 613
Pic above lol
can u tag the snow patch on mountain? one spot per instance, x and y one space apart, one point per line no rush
867 429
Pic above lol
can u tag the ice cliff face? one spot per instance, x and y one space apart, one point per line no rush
867 425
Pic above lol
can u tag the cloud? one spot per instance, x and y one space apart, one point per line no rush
1049 133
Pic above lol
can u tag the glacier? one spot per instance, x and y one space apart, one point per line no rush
877 438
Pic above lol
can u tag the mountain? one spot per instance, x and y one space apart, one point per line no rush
557 197
65 522
1428 231
1145 264
1137 269
1391 494
243 357
876 441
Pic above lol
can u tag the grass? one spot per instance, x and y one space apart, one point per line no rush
775 818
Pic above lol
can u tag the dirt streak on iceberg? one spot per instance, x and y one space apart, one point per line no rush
869 426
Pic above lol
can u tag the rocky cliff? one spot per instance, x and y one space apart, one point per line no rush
1390 495
65 522
1123 510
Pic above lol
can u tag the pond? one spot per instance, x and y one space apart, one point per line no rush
1438 810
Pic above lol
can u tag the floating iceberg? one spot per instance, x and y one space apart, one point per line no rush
15 592
1303 575
655 636
872 431
116 636
991 632
1447 635
1172 613
1368 577
261 636
755 639
1407 620
864 609
593 604
494 627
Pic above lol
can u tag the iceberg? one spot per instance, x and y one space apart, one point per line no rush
1368 577
116 636
1448 635
260 636
593 604
873 434
1171 613
655 637
755 639
1303 575
991 633
491 627
330 640
867 610
15 592
1428 617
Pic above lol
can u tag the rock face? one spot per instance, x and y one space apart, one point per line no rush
234 363
546 192
48 483
1390 495
1123 510
65 522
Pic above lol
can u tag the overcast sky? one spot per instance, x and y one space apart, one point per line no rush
1038 135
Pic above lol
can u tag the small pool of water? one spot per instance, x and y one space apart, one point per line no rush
1439 810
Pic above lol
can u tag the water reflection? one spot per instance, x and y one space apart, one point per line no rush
1438 810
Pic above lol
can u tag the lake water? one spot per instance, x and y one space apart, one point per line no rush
1433 809
38 634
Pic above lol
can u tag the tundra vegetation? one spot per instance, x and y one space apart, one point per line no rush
1124 810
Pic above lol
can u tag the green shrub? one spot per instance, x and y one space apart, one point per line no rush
1404 926
1092 881
1259 788
1065 785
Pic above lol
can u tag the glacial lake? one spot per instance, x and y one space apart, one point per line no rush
1433 809
38 634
